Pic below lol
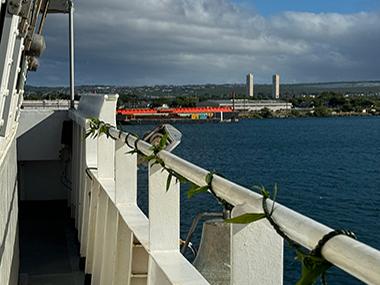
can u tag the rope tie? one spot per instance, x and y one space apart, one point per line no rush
314 257
126 140
226 206
318 249
136 141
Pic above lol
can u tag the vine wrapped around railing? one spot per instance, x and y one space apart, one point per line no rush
98 127
314 265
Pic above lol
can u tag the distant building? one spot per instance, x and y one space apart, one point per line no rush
249 84
248 105
276 87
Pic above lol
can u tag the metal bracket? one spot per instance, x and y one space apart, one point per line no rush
69 4
26 9
23 9
23 28
14 7
29 38
20 8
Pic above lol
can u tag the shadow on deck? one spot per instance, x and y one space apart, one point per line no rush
48 247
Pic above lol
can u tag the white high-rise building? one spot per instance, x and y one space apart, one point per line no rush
276 86
249 84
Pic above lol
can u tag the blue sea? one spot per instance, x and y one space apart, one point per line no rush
325 168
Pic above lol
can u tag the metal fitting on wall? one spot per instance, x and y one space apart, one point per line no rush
33 64
37 46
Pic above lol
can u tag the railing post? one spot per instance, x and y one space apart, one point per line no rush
99 234
164 217
91 227
106 146
256 252
164 211
82 184
126 193
90 163
76 164
109 243
88 186
106 152
125 174
106 218
74 169
124 253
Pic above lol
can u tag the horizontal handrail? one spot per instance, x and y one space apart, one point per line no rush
354 257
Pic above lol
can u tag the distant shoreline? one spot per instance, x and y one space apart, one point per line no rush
306 115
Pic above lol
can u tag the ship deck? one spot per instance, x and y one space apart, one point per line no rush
48 247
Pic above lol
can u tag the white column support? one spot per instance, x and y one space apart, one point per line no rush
256 252
125 174
82 183
89 185
106 146
74 164
100 228
123 258
91 228
109 244
106 162
164 211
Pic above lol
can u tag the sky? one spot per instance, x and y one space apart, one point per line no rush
179 42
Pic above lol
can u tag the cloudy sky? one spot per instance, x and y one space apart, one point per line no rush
149 42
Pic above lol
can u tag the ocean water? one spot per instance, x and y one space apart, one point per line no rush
325 168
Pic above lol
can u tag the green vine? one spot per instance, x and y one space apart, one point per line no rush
194 188
98 127
313 263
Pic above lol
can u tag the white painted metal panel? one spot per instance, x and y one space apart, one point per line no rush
7 48
8 212
9 106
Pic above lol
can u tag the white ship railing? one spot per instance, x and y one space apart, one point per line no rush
120 243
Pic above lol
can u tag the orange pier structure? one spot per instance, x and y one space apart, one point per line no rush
186 115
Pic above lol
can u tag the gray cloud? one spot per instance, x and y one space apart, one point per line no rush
147 42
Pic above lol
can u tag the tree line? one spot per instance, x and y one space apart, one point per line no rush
338 102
